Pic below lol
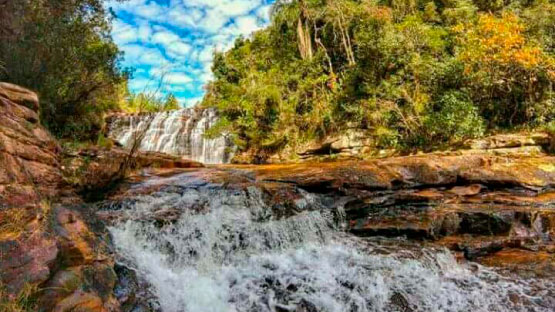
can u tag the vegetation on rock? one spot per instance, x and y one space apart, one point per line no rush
414 73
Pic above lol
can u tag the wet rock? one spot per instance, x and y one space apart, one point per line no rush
483 223
132 294
526 263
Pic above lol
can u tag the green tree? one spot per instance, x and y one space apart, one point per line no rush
63 50
414 73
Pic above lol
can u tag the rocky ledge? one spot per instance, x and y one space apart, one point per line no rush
356 144
43 245
91 171
497 210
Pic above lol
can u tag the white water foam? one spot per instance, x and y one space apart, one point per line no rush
228 259
178 132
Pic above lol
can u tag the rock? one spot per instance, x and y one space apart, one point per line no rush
28 154
133 295
19 95
345 145
80 302
506 141
28 259
76 242
466 190
29 177
92 170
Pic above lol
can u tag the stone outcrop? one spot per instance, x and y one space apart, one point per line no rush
357 144
43 245
93 169
351 143
29 163
478 205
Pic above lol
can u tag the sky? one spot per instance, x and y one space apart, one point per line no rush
175 39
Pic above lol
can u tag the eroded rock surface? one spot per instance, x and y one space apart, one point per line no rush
475 205
43 245
29 164
93 169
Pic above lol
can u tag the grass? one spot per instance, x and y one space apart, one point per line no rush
24 301
13 222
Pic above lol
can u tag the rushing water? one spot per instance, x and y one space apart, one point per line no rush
178 132
226 251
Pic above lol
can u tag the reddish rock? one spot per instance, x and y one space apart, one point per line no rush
28 155
37 241
94 169
81 302
27 259
19 95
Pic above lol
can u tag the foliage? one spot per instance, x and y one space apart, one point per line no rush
510 77
63 50
415 73
149 102
454 118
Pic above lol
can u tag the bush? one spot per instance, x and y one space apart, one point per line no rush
453 119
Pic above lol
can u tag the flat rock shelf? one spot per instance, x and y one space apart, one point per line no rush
445 233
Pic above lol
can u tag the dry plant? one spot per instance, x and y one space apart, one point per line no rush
24 301
139 135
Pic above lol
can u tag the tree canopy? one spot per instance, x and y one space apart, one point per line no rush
63 50
414 73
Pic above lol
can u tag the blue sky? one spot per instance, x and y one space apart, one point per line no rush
175 39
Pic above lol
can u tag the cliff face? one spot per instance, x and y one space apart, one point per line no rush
29 163
44 246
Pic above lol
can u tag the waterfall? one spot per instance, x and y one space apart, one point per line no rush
227 252
178 132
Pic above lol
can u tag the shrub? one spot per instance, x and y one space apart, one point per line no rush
453 118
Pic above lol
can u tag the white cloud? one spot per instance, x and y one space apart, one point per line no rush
164 37
177 78
179 37
246 25
178 49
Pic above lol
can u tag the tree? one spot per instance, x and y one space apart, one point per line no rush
413 73
507 73
171 103
63 50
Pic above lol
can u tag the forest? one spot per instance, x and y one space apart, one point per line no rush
64 51
416 74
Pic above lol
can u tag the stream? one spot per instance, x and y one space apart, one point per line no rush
204 247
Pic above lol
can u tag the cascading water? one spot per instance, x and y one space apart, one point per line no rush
178 132
226 250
